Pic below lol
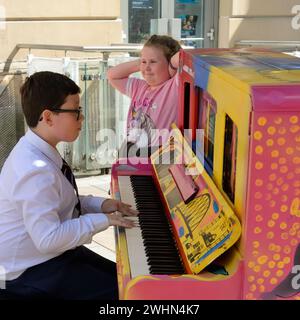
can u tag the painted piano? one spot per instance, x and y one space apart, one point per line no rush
220 202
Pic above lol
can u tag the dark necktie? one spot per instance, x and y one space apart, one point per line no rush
67 172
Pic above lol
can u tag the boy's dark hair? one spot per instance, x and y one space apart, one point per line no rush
167 44
45 90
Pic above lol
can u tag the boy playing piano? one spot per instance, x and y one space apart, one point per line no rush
43 221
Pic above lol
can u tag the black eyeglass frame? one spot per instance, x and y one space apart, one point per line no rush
78 111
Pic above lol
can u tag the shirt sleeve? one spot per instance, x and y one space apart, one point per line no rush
121 85
134 85
91 203
37 195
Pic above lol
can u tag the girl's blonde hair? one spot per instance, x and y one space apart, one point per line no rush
167 44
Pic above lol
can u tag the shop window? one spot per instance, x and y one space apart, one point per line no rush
191 13
140 14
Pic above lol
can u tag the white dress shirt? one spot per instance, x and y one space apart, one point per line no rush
36 207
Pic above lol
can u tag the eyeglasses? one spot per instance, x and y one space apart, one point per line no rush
78 111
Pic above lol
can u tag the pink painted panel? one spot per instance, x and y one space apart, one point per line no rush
276 98
273 208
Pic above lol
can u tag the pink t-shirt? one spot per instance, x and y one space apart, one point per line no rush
150 109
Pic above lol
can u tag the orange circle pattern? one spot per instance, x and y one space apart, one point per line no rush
274 228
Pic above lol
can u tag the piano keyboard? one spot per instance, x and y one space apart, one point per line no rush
151 246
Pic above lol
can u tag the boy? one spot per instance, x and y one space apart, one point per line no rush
43 221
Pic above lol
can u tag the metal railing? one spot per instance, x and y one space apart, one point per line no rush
105 109
12 125
104 50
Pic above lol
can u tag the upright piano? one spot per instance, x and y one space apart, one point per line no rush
189 243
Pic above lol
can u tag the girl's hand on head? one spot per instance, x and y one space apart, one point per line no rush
172 71
174 64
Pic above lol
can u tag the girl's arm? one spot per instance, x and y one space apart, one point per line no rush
116 74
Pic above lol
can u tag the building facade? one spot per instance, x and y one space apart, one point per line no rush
269 20
216 23
203 23
67 22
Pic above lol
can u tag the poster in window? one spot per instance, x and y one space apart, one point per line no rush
188 25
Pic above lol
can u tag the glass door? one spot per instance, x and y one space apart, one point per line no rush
140 14
199 22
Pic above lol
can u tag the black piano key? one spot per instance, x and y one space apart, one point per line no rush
165 270
166 266
155 233
152 225
161 248
160 261
158 240
151 216
161 252
155 253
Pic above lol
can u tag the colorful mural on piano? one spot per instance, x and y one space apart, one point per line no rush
204 224
258 93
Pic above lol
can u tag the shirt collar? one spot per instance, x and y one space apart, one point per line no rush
44 147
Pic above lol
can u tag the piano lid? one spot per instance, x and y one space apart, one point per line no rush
205 226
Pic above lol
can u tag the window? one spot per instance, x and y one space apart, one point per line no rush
207 120
229 158
139 15
191 13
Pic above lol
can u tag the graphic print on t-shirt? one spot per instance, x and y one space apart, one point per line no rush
139 131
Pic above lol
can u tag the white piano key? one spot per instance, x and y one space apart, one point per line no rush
136 250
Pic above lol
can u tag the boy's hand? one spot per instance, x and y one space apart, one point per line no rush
116 219
111 205
126 209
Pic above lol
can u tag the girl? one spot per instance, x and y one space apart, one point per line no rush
154 99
